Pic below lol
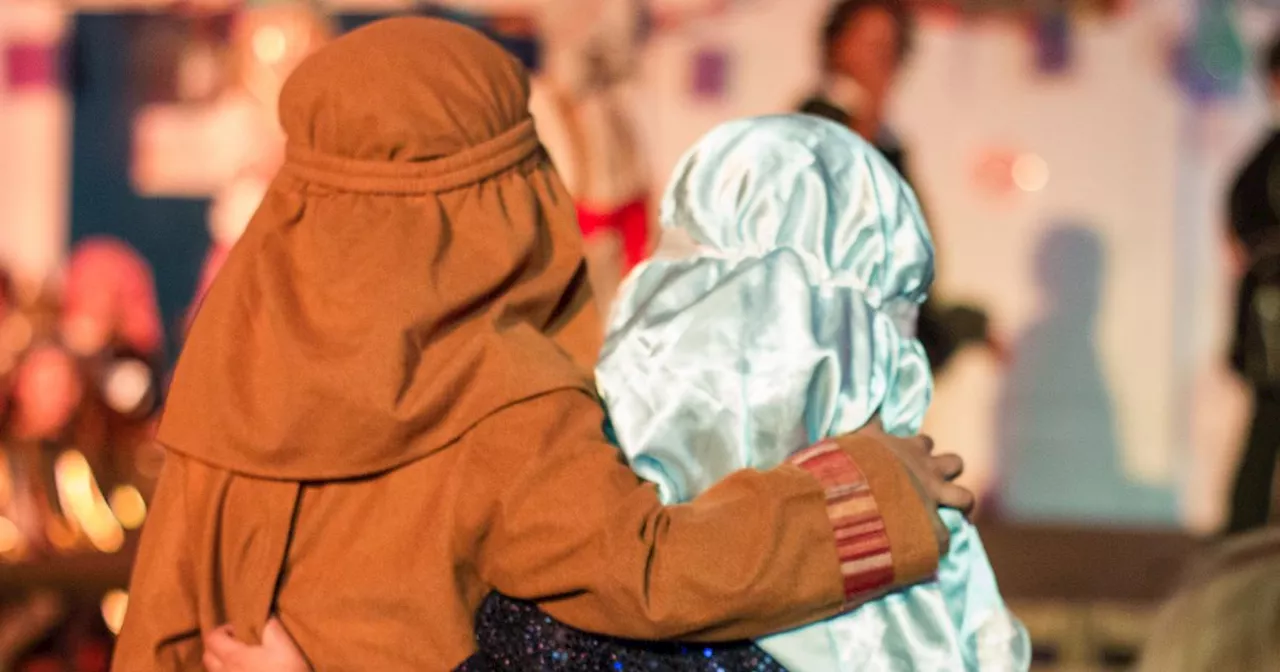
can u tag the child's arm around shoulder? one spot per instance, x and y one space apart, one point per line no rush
571 526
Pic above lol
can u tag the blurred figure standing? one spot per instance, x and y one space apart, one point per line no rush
1226 616
1254 205
864 44
580 98
268 40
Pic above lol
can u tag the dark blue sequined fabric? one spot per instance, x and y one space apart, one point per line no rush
514 635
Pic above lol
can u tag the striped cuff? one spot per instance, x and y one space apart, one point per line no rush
862 545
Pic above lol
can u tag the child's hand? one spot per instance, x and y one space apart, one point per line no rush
277 653
933 475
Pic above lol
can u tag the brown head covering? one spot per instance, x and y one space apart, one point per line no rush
414 267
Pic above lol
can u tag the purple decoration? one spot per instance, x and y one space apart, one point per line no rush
1196 83
710 73
647 25
1210 62
30 66
1053 42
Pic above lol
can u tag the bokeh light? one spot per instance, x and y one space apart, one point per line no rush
114 605
1030 172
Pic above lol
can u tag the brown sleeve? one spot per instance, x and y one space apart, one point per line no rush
211 554
161 628
573 528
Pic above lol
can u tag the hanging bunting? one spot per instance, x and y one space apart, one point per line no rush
646 23
710 73
31 65
1052 30
1211 61
674 16
1107 9
954 10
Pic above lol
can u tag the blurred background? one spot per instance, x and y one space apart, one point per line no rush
1076 159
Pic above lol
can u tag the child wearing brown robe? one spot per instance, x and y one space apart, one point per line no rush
384 410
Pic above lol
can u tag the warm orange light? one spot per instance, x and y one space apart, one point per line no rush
270 44
11 541
1030 172
127 504
15 333
127 385
6 481
61 534
114 606
83 502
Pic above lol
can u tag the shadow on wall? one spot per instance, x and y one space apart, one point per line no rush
1058 451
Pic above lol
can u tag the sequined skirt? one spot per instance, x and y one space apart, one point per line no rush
515 635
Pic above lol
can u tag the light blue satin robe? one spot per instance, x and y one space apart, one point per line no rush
779 312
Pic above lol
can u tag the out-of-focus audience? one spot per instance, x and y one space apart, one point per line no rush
81 376
80 363
1254 210
1226 616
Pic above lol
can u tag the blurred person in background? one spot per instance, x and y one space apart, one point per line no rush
1226 616
1254 211
591 52
109 320
864 44
79 364
83 378
268 40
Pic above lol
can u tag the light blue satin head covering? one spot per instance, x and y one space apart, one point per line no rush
778 312
767 321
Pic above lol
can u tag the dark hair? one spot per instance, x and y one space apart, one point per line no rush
1273 56
821 107
845 12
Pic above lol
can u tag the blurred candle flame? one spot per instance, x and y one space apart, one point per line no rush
270 44
1030 172
83 502
6 481
114 605
128 506
61 534
127 385
11 541
16 332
